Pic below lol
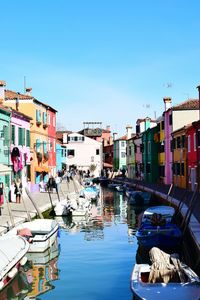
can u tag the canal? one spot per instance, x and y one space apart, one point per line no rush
93 257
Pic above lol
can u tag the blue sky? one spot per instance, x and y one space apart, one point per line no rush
102 60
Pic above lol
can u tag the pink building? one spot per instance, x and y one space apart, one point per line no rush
20 146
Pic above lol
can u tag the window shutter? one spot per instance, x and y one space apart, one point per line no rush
44 147
37 145
20 136
28 138
13 134
44 118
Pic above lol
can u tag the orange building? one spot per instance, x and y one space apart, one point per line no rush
39 134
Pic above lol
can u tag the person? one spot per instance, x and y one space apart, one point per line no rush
51 183
18 190
42 186
57 180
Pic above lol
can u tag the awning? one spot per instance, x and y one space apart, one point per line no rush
4 169
42 169
107 165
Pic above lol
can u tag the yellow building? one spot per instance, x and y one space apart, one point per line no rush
179 157
39 144
160 138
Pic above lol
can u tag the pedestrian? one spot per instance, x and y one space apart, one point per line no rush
18 190
51 183
57 181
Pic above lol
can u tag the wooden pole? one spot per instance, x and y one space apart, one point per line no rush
34 204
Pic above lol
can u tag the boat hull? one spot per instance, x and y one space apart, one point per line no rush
154 291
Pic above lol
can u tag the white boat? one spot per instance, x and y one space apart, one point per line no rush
167 278
13 255
153 291
41 258
43 233
167 213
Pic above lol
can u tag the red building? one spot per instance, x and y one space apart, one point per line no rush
194 157
51 121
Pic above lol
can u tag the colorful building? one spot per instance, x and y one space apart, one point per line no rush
42 145
150 155
20 146
179 166
160 139
119 154
5 170
174 118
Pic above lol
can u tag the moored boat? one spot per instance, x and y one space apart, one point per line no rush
13 255
41 233
173 281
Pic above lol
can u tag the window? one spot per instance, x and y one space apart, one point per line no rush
149 147
97 151
28 138
44 147
148 168
162 171
123 154
75 138
129 150
170 119
70 152
172 145
178 142
198 137
135 148
141 148
20 138
137 128
195 144
38 115
64 152
13 134
44 118
123 144
183 141
37 145
189 143
162 125
182 169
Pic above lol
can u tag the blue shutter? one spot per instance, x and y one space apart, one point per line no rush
37 145
45 147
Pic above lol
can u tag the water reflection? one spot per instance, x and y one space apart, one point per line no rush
104 241
43 270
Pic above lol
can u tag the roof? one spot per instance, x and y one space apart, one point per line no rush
122 138
189 104
11 95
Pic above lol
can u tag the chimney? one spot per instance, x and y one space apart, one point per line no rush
2 90
128 131
168 102
28 91
114 136
17 102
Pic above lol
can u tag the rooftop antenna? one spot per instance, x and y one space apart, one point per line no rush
154 114
24 84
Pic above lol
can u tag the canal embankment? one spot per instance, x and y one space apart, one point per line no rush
17 213
187 204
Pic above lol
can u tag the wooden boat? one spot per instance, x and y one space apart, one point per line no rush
41 233
174 281
13 255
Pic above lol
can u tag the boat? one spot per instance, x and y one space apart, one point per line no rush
173 281
138 197
164 236
41 233
157 229
90 192
167 213
13 255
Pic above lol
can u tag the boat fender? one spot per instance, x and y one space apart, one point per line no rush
13 272
1 285
23 261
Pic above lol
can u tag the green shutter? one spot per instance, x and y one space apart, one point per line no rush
37 145
13 134
20 136
23 136
6 135
28 138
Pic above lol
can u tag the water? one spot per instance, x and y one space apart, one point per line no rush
92 260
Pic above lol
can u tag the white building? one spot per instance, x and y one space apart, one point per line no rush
83 152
